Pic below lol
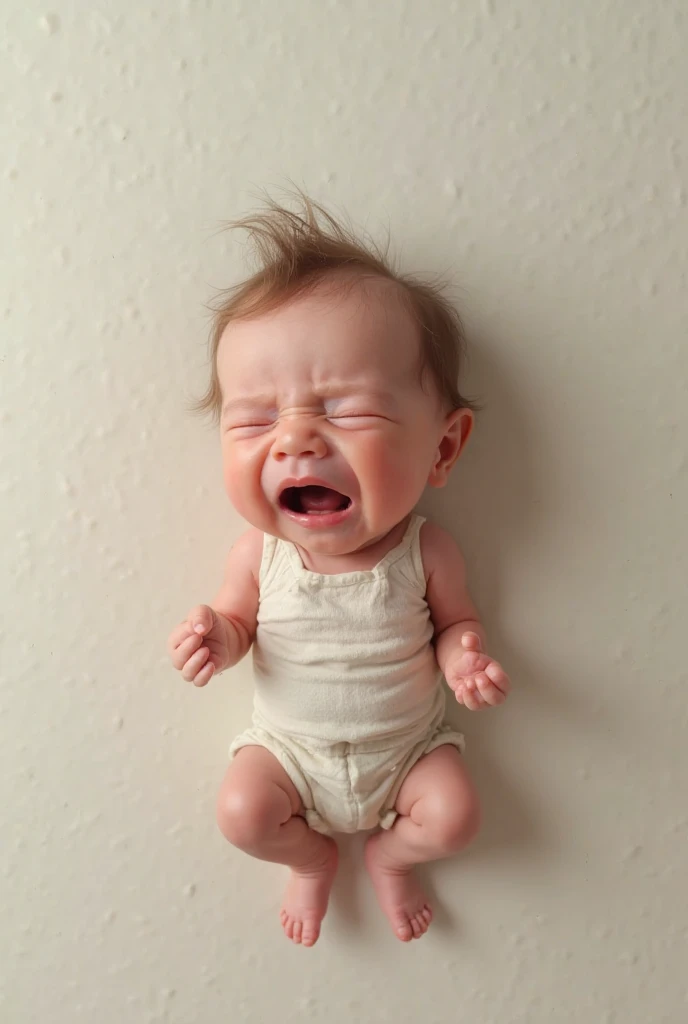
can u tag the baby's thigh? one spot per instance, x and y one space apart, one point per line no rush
256 794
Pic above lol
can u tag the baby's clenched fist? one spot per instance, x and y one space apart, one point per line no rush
199 646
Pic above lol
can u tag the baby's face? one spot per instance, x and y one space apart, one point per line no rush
328 438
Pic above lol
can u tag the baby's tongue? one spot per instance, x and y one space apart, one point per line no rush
319 499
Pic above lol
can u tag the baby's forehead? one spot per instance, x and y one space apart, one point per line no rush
363 316
350 336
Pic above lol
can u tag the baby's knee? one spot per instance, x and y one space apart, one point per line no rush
246 819
455 824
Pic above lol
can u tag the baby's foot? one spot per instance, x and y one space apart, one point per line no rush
306 896
399 894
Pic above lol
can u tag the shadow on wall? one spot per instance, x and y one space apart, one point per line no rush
502 507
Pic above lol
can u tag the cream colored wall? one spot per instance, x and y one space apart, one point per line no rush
538 152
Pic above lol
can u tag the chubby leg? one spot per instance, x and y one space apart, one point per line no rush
438 815
258 810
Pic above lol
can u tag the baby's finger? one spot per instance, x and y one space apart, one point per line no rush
490 693
204 676
471 642
186 648
473 702
496 673
195 664
472 698
201 619
177 636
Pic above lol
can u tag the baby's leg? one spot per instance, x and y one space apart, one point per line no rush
258 810
438 815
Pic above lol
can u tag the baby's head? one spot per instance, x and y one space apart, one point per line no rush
335 384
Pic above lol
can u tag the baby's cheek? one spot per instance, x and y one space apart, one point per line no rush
240 480
386 473
398 483
232 489
402 475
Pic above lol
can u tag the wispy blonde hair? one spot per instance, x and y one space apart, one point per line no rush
295 250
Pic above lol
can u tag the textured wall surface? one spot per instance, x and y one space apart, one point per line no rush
537 153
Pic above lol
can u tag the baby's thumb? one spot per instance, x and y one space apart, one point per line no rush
470 641
202 619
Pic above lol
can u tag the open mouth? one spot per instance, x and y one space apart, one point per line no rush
313 500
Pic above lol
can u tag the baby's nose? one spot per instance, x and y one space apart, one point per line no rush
299 438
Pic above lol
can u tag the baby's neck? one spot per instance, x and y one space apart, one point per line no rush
363 559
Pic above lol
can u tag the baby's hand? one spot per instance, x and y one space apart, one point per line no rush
477 680
199 646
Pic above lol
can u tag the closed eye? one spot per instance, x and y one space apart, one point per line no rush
249 427
358 418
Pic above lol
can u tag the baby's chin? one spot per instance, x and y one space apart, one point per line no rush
348 537
336 542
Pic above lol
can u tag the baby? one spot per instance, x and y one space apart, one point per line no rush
334 380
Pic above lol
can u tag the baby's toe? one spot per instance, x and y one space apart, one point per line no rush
403 929
309 934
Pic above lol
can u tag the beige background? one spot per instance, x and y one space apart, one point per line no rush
537 152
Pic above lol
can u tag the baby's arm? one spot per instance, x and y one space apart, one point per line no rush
216 636
477 680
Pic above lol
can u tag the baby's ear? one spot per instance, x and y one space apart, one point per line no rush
457 429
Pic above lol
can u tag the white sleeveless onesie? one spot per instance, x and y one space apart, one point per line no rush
348 693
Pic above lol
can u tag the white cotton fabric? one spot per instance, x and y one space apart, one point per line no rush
348 693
